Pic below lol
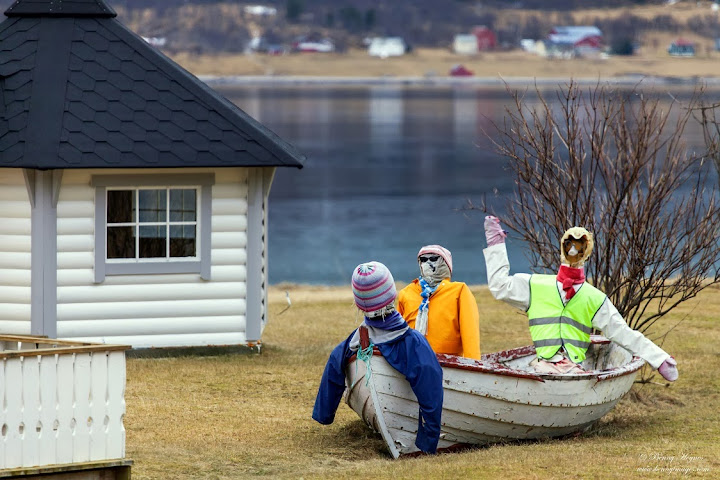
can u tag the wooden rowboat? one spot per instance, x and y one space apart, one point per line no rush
496 399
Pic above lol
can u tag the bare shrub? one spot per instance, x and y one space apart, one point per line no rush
616 162
707 116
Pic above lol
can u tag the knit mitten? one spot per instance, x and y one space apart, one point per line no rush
669 370
494 234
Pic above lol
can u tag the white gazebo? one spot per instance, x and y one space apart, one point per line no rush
133 197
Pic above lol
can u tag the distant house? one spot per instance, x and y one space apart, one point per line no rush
540 48
133 197
261 45
385 47
528 44
465 44
682 48
322 45
261 10
589 36
537 47
486 39
574 41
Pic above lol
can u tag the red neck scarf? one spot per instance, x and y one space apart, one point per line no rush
570 276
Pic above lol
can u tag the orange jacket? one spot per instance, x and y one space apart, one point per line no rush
453 318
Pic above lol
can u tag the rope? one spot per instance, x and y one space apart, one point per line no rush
365 355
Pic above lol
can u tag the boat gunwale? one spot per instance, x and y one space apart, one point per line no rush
491 364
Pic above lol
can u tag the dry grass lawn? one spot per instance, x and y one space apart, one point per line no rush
248 415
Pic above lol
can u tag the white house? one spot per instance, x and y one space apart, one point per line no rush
260 10
323 45
133 197
465 44
385 47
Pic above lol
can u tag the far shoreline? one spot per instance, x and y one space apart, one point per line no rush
302 80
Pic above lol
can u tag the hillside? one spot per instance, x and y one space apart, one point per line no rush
211 37
211 27
207 26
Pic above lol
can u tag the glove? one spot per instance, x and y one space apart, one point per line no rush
669 370
494 234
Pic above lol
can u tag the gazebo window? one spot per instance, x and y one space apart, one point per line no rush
150 224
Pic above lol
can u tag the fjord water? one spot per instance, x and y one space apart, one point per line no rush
389 168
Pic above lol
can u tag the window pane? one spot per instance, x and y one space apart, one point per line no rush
121 242
152 241
182 240
182 205
120 206
153 206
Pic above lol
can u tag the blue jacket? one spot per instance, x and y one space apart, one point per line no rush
411 355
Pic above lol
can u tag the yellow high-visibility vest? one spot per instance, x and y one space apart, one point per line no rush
554 325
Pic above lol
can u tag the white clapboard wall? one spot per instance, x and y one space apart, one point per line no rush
15 228
153 310
60 402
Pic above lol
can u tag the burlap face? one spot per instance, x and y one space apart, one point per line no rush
576 245
434 272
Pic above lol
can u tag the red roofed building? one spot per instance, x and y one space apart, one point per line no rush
486 39
682 48
575 41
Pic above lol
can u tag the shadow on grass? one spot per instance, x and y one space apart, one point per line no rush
359 442
173 352
222 350
653 398
363 442
637 411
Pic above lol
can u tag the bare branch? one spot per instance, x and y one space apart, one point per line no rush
616 162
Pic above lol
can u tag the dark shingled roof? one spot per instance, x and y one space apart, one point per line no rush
80 90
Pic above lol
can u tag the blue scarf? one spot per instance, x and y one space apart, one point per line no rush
427 290
394 321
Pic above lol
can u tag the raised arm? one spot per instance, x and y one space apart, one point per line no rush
512 289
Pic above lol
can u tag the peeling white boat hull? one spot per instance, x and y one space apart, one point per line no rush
495 399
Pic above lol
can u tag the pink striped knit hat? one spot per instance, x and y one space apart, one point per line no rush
373 286
437 250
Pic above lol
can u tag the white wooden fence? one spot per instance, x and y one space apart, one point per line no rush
61 402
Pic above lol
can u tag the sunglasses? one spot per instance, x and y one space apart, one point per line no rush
433 259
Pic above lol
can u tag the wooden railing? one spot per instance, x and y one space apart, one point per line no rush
60 402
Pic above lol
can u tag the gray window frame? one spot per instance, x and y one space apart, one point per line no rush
201 266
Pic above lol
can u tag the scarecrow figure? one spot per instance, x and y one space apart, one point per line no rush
406 350
444 311
563 309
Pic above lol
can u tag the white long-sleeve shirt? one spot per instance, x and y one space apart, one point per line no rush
515 290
